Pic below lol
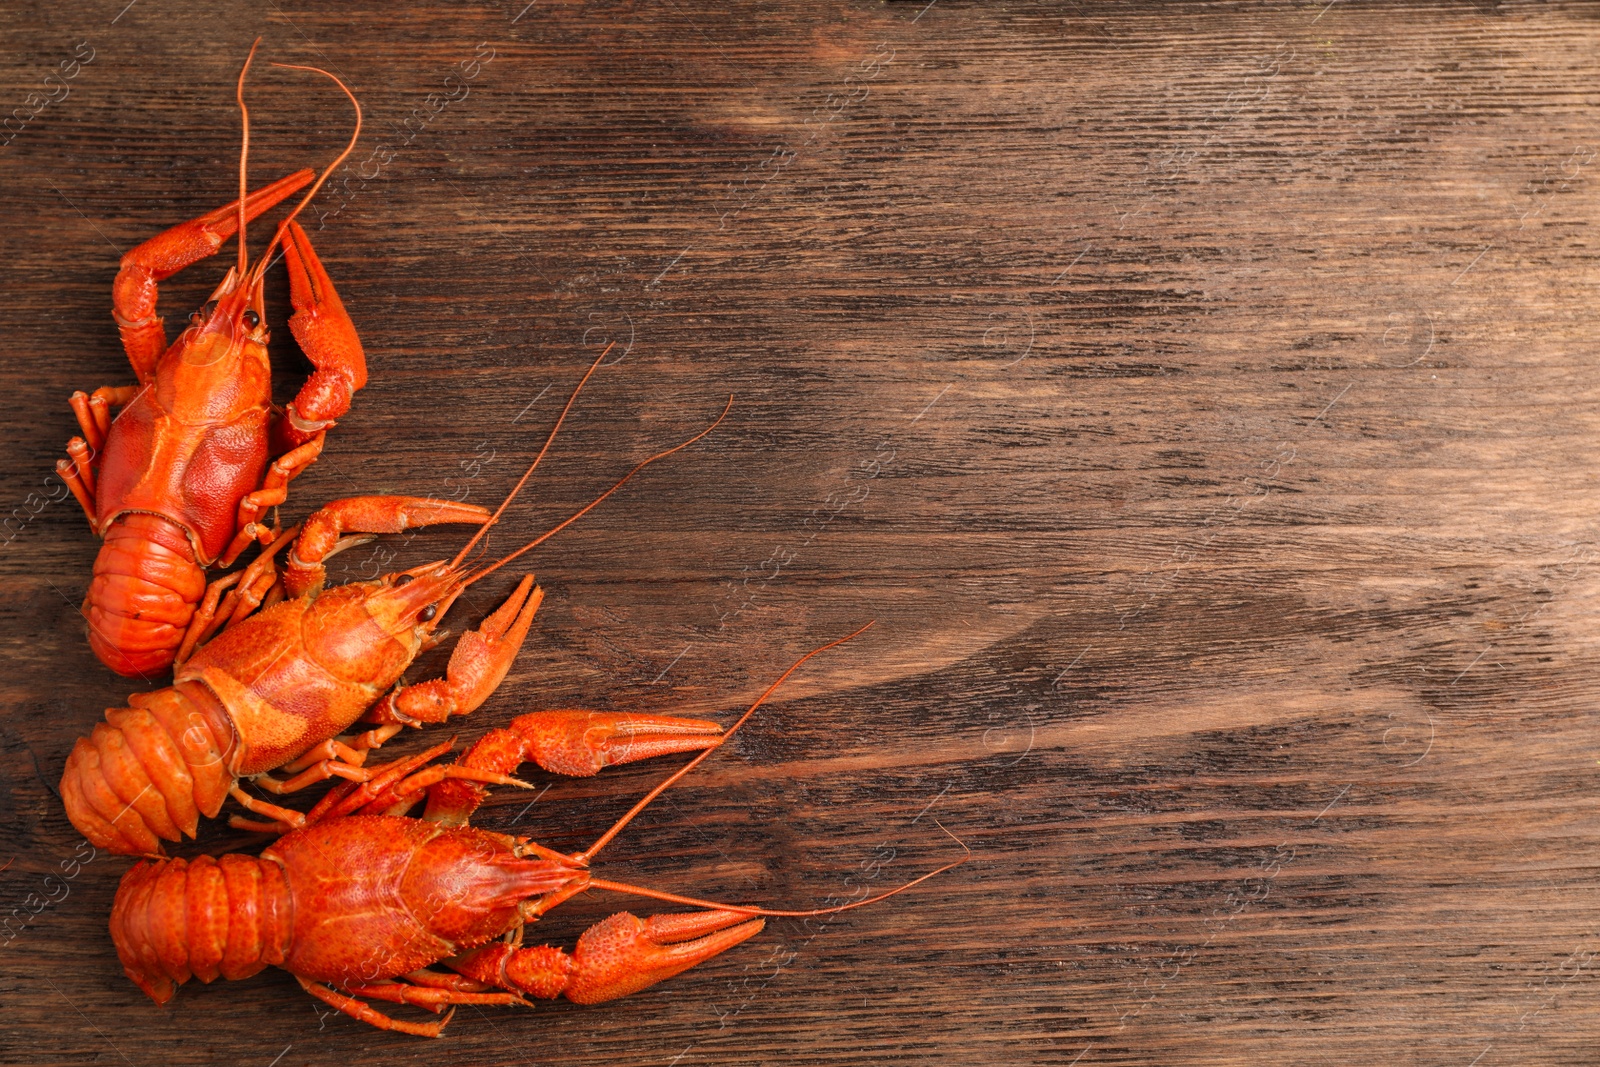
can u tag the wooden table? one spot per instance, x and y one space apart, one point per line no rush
1202 399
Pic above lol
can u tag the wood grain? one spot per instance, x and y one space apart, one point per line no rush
1200 396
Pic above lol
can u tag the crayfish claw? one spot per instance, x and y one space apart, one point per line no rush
573 742
621 955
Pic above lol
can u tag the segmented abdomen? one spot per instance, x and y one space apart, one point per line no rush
205 917
144 591
149 771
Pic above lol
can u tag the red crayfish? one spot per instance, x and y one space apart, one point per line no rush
180 479
276 687
433 890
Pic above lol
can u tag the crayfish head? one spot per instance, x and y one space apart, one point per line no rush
415 600
234 315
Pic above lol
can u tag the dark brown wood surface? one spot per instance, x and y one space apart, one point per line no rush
1202 399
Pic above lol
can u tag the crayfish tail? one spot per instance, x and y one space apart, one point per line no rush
203 918
148 772
145 587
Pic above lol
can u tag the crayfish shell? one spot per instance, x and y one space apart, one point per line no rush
205 918
150 771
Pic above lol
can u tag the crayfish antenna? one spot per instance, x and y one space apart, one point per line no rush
591 505
244 154
644 802
548 441
776 913
283 227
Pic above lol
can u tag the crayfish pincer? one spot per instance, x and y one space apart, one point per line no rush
360 902
277 687
180 480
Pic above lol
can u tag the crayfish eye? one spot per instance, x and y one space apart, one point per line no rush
427 613
404 579
251 319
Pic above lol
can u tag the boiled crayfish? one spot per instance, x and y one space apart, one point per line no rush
361 900
180 479
277 686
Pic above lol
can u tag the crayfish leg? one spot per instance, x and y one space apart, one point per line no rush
286 817
244 593
433 998
333 748
274 491
78 472
368 1014
440 980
